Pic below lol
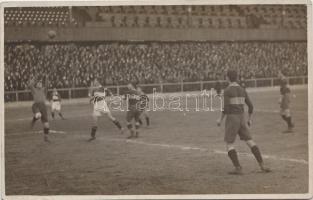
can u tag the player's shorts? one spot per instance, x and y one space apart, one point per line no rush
56 105
42 109
285 112
236 124
100 108
133 114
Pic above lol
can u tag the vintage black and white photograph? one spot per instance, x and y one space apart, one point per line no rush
155 99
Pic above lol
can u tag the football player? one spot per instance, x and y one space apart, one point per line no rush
284 102
235 97
56 104
132 97
144 103
98 94
39 106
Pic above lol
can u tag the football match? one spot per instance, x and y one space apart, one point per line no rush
156 100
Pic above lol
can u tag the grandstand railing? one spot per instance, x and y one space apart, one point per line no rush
70 93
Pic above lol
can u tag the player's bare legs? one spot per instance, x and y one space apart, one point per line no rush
115 122
57 112
257 154
232 154
287 118
52 114
35 118
61 115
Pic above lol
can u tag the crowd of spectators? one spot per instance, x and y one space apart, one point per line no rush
76 64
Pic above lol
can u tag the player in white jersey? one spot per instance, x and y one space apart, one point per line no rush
56 104
98 94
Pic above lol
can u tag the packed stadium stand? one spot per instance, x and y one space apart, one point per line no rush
75 65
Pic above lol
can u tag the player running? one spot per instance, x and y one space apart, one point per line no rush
144 103
56 104
133 110
284 102
39 106
234 99
98 93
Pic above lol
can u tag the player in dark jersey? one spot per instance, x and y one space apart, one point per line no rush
98 94
39 106
234 99
284 102
133 110
56 103
144 103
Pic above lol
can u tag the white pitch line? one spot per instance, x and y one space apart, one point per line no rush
173 146
33 133
84 115
89 114
215 151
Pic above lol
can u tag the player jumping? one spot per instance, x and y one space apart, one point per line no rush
39 106
133 110
284 102
144 102
234 99
98 93
56 103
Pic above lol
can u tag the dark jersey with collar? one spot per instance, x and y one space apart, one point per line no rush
133 98
235 97
144 101
285 97
39 94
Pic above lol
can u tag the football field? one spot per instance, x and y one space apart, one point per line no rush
180 153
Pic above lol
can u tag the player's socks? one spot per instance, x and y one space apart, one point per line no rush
234 158
137 125
117 124
93 133
148 121
60 114
289 122
46 132
258 156
130 128
232 154
284 118
52 114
